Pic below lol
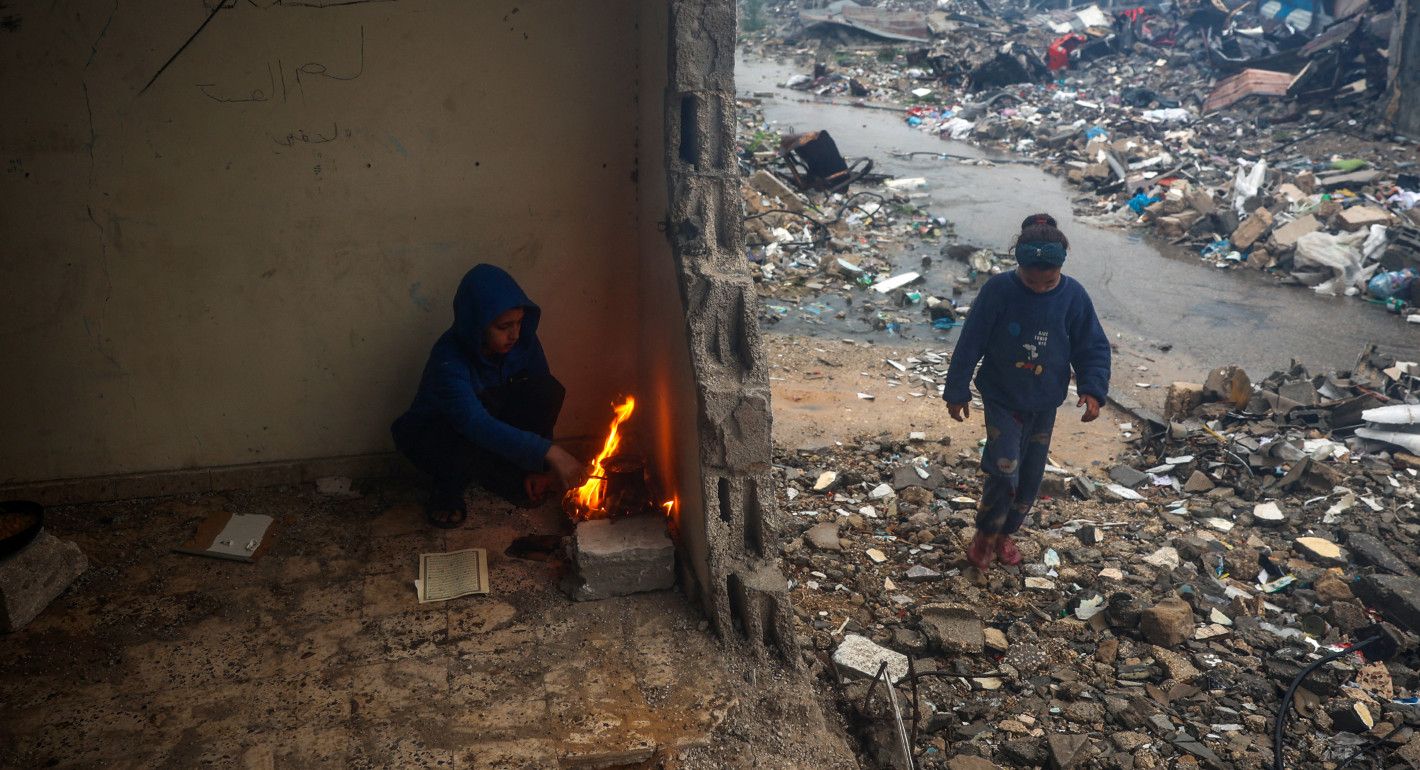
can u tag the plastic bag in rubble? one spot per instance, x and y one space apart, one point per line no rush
1340 253
1387 285
956 128
1404 199
1168 115
1247 183
1374 247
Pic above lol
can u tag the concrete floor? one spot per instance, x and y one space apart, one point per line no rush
319 655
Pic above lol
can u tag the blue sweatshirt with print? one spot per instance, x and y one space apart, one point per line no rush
457 369
1028 344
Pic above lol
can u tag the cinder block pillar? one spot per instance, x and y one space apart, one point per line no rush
746 596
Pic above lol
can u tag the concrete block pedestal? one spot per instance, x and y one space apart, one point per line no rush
35 576
616 558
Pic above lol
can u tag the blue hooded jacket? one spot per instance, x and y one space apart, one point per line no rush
458 371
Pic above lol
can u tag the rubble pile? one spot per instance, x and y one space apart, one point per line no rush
1164 605
822 255
1254 136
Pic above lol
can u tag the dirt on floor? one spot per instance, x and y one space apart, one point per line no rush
320 655
816 385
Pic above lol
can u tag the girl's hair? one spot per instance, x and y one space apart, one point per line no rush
1041 228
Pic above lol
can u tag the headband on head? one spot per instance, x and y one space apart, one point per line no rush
1040 253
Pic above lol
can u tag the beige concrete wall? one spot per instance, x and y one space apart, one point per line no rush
248 262
669 420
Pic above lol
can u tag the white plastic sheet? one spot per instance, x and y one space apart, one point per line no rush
1246 184
1340 253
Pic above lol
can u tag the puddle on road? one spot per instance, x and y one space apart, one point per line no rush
1144 295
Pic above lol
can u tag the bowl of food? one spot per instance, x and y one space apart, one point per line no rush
20 522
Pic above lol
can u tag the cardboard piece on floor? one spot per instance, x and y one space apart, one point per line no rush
444 576
233 536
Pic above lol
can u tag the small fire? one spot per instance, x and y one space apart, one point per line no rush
589 501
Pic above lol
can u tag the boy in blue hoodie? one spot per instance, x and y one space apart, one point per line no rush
1029 328
487 403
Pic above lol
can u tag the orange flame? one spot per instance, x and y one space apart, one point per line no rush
589 498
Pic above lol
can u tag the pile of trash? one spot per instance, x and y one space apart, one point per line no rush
1249 134
823 236
1165 606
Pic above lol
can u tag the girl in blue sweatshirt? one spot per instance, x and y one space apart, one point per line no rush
1029 329
487 403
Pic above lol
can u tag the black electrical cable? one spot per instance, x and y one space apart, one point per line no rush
1281 721
1370 745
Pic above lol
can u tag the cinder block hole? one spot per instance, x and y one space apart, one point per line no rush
727 506
771 627
689 129
754 520
739 607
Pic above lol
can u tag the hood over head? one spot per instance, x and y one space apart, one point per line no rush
485 292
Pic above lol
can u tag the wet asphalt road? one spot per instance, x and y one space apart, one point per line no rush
1144 296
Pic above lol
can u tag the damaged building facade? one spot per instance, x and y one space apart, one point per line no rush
232 232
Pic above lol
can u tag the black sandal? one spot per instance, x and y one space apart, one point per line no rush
446 518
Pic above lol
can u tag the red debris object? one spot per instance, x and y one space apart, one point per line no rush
1057 56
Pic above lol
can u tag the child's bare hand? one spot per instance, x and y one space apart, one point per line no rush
959 412
1092 408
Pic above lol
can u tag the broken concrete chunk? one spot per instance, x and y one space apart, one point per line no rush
1394 596
1127 476
1229 384
863 657
1268 513
1197 483
877 556
825 480
1285 237
823 537
1182 399
1164 558
953 628
1252 229
34 576
919 574
1321 550
1168 623
996 639
619 558
1368 549
1361 217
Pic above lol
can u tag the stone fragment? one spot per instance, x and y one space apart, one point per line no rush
1229 384
1321 551
995 639
881 492
1068 751
1040 584
910 475
862 656
1198 483
1164 558
1368 549
823 537
825 480
768 184
1252 229
1129 477
1175 665
1268 513
953 628
617 558
1348 616
1395 596
1168 623
920 574
1108 651
36 575
1285 237
877 557
1361 217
